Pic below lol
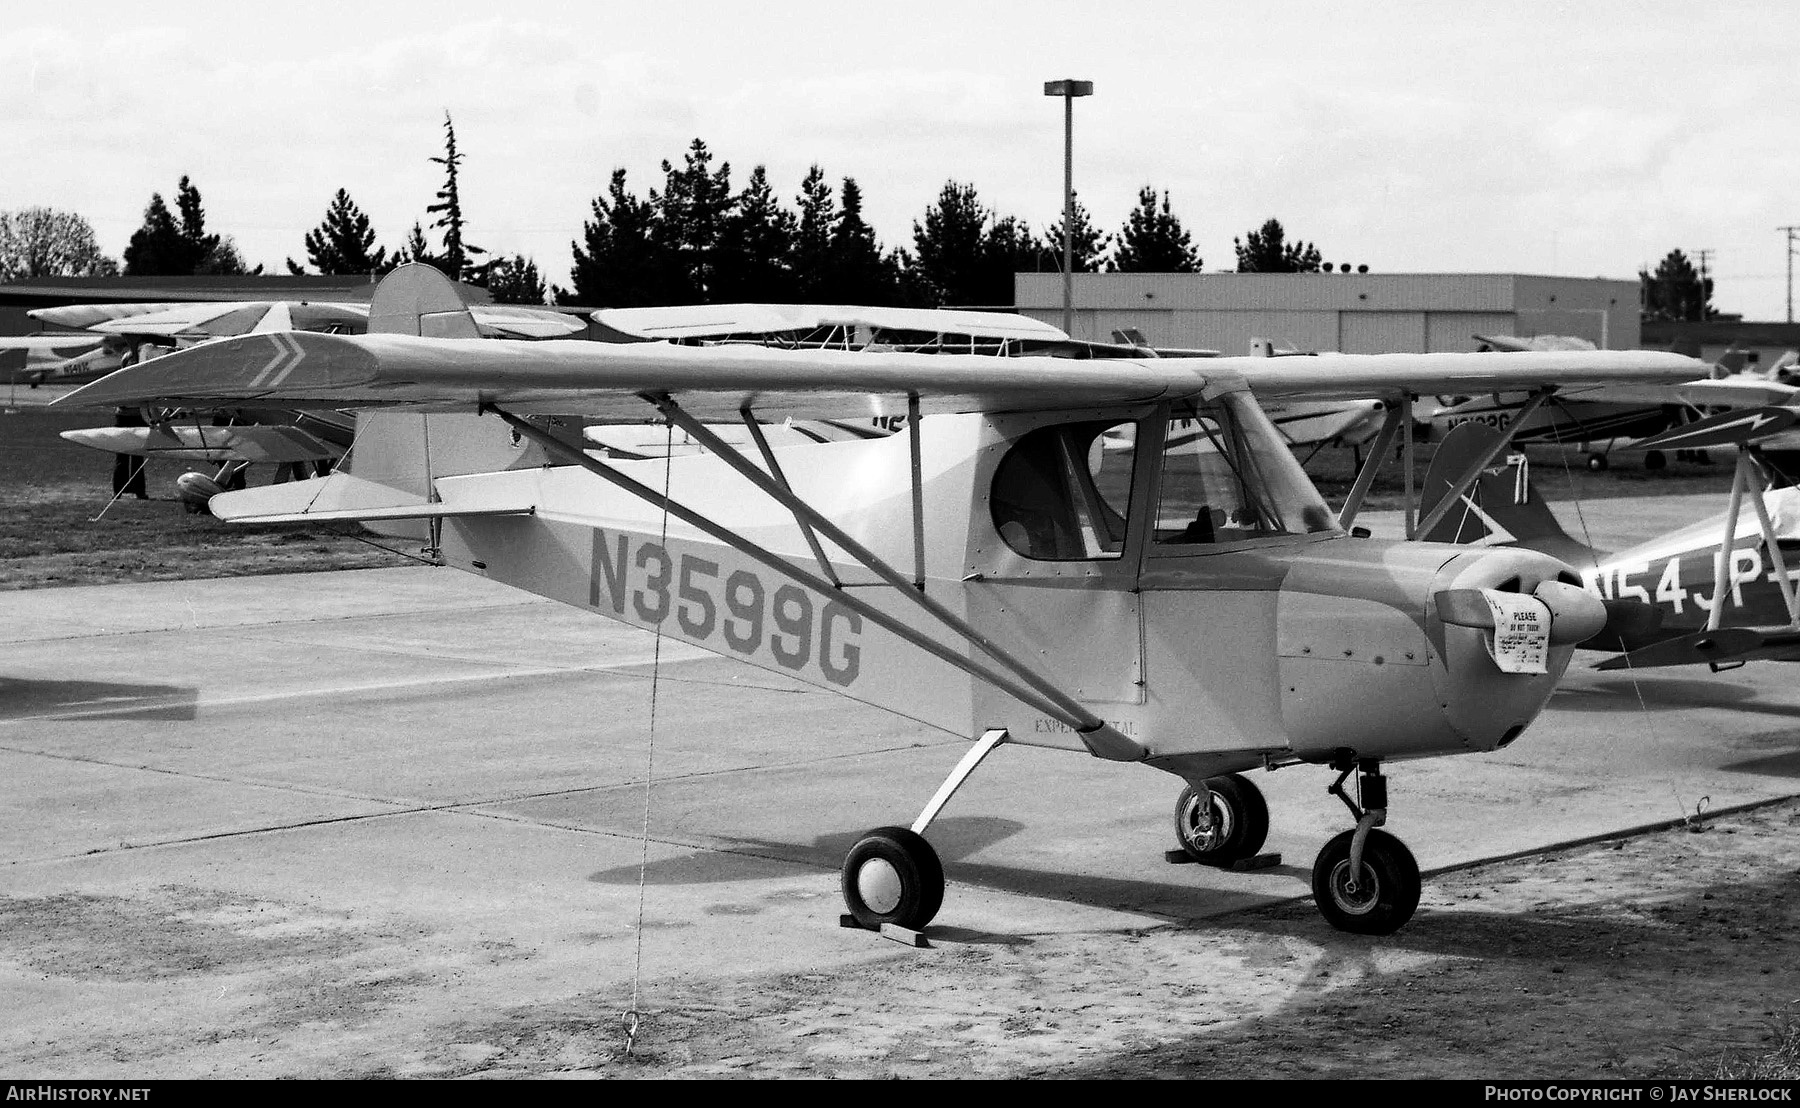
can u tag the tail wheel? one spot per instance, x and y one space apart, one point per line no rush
1240 821
1376 901
893 876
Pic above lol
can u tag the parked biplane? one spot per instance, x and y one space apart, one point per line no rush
990 571
1741 556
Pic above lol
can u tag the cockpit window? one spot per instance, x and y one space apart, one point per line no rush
1228 477
1063 493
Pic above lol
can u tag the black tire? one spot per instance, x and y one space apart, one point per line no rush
1240 821
1596 462
893 876
1387 893
1654 460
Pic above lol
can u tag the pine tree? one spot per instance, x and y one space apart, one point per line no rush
1088 243
857 270
949 245
621 261
817 221
756 246
458 257
515 280
1675 291
692 210
1266 251
1153 240
344 243
158 248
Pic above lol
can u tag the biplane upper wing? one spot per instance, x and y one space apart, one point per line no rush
300 369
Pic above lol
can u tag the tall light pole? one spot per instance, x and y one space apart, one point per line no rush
1068 90
1791 230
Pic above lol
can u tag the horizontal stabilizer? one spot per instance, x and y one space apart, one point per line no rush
1727 644
342 496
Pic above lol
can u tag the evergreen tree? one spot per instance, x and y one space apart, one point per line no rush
1675 291
416 249
515 280
163 248
458 258
811 260
1266 251
1153 240
621 261
691 213
1009 247
1088 243
952 249
344 243
44 242
858 272
756 245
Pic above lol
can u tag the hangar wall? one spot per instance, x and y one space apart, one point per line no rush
1355 313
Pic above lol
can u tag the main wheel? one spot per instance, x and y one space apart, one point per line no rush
1380 899
1654 460
893 876
1240 821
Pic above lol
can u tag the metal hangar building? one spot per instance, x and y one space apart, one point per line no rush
1352 313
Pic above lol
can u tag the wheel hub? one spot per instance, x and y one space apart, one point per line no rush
1351 894
878 883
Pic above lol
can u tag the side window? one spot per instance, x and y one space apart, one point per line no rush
1063 493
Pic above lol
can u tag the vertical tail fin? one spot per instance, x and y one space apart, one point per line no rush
1502 507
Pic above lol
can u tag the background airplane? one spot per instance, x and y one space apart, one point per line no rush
1722 587
988 572
1616 417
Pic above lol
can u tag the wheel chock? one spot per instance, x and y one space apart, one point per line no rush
905 936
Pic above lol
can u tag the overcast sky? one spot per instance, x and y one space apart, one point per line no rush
1581 139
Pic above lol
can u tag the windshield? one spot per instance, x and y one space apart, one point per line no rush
1228 477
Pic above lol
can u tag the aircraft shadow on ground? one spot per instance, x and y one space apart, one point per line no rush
1623 694
35 699
1550 953
956 838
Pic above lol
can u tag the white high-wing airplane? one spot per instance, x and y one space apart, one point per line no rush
989 571
1619 417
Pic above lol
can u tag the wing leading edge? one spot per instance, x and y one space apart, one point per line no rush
300 369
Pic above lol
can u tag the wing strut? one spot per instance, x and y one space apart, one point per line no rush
768 456
1101 739
1399 410
1472 473
1748 479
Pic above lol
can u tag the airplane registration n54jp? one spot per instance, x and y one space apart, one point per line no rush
991 570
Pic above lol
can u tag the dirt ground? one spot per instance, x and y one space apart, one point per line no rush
1659 956
1664 955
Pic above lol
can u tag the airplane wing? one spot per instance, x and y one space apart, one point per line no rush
251 443
1724 647
300 369
679 321
87 315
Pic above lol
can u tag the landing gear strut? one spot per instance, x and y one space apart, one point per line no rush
1365 881
892 876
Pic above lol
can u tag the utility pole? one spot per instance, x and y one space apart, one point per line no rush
1705 293
1791 231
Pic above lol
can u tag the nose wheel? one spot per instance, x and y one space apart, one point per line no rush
1225 823
893 876
1376 897
1365 881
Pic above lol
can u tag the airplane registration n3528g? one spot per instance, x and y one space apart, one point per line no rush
992 569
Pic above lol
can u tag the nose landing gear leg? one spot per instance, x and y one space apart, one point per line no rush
1365 881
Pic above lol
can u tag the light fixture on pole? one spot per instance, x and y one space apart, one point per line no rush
1068 90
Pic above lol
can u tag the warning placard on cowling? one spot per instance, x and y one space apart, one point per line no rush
1521 639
